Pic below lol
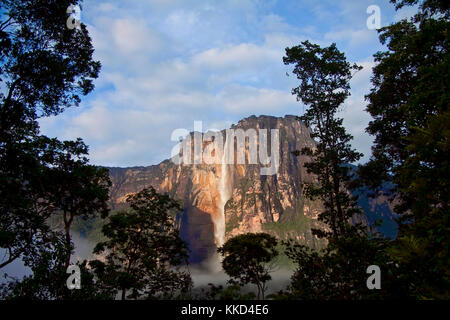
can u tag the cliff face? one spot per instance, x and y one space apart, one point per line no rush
224 200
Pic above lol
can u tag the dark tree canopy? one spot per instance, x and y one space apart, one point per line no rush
427 7
409 103
73 187
339 270
44 68
249 258
143 249
324 76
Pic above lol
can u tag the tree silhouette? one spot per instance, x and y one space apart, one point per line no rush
44 69
143 250
249 258
324 75
409 103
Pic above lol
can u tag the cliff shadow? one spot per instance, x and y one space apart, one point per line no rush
197 229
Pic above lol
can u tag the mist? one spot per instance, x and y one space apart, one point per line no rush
18 270
210 271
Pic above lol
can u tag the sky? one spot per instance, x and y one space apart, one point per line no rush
168 63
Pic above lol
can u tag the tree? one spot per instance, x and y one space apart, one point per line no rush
44 69
144 250
75 188
339 270
45 65
249 258
324 75
409 103
48 280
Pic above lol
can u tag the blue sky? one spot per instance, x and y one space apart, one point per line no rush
167 63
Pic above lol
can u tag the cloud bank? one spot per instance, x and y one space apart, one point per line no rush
168 63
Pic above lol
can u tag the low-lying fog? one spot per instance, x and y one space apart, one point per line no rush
202 274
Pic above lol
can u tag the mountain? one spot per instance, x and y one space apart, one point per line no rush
223 200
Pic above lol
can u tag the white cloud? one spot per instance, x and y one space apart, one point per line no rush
355 117
249 100
106 7
406 13
354 38
167 63
245 55
181 21
131 36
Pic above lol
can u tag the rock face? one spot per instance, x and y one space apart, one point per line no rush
223 200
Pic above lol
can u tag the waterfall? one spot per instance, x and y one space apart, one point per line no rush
224 196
